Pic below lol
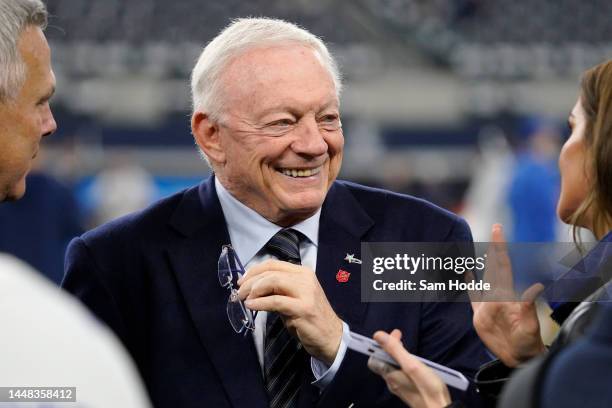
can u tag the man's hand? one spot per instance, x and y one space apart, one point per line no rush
510 329
295 293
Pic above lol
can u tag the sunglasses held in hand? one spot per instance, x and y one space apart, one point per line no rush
230 270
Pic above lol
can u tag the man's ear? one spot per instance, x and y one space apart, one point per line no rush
206 134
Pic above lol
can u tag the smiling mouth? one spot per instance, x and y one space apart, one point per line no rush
297 173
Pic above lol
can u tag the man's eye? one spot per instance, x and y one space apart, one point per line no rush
42 102
330 121
281 122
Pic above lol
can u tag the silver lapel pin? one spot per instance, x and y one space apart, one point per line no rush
351 259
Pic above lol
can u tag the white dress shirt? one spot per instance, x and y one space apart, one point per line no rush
249 232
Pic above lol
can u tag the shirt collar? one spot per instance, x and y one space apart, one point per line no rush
249 231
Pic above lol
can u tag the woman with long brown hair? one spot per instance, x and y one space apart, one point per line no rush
511 330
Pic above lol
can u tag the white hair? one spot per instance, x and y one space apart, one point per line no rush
242 35
15 17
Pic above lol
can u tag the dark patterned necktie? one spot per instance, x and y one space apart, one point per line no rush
284 356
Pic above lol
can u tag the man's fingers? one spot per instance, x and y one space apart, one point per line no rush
284 305
273 283
269 265
268 283
247 284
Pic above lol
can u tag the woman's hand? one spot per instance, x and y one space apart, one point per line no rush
510 329
415 384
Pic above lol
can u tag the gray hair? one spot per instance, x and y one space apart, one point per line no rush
15 17
242 35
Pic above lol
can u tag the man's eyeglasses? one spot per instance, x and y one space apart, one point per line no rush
230 270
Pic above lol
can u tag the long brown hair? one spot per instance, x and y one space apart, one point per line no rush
596 99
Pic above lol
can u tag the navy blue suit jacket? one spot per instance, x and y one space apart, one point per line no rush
152 277
580 376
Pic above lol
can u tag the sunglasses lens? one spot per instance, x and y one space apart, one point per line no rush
229 271
239 316
224 270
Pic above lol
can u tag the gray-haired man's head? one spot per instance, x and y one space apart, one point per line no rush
266 115
26 85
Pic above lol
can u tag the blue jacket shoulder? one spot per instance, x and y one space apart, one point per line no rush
149 222
419 219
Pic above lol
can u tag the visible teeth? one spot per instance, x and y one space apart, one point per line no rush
300 172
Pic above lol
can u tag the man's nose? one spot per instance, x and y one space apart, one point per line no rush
49 125
311 140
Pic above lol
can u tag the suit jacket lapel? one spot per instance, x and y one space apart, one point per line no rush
341 229
342 225
199 218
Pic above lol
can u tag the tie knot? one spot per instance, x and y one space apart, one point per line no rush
285 245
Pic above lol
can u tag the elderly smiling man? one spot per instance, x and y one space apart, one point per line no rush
266 117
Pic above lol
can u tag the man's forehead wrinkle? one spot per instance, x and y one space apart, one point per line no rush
292 105
299 107
255 65
242 119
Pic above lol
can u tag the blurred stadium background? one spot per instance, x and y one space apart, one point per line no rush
444 99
